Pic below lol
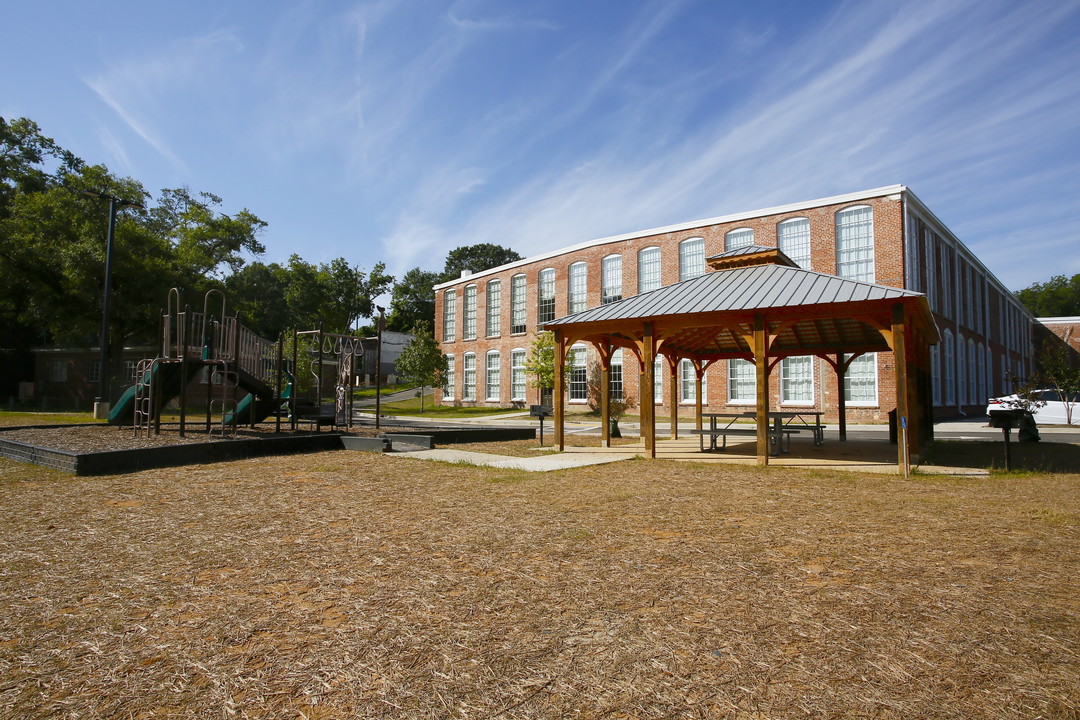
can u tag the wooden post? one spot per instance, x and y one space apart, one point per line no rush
648 408
558 390
761 361
699 372
673 395
605 396
841 402
902 408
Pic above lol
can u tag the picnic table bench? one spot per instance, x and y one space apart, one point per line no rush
780 429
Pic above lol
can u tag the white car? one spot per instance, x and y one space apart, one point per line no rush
1052 413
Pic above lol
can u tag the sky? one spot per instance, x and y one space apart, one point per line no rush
395 131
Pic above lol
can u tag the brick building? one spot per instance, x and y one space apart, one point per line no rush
487 321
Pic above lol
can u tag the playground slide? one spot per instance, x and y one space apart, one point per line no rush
168 374
259 403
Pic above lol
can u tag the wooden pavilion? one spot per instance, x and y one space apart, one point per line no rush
756 304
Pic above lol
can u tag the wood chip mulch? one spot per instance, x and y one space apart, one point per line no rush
355 585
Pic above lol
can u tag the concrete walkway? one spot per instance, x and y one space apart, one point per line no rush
542 463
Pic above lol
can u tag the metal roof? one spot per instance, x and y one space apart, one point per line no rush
759 287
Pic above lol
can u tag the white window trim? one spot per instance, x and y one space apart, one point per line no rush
488 397
809 239
465 397
585 365
733 401
877 380
739 231
659 268
451 371
525 385
813 385
682 258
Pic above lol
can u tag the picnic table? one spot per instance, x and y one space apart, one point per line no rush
783 424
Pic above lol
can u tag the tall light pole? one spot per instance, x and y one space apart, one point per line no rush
101 402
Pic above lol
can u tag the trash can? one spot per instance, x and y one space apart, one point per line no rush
892 427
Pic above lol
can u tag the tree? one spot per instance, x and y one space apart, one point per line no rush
331 295
412 301
476 258
1057 297
540 363
617 405
1060 372
422 362
257 292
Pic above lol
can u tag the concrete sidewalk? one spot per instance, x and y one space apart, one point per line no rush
543 463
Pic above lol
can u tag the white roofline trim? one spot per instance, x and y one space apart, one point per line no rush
777 210
1059 320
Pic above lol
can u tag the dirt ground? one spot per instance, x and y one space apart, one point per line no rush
344 585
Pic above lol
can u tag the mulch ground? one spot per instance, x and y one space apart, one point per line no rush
345 585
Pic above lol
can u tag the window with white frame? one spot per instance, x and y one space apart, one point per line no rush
931 271
973 373
576 291
448 379
961 373
615 376
855 243
494 308
131 372
860 380
546 296
517 304
492 379
691 258
659 368
688 382
742 382
611 279
468 332
468 377
449 315
738 238
578 384
797 380
517 375
949 375
793 238
94 375
648 269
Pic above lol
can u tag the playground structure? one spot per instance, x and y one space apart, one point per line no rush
230 360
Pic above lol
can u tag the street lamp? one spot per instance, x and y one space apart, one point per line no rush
101 402
378 364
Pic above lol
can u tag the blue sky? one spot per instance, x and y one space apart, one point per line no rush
396 131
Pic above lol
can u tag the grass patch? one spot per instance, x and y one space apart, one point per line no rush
16 418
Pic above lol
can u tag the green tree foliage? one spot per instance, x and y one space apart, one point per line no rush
1057 297
52 243
412 301
476 258
421 361
540 364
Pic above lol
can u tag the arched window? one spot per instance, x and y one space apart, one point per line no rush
961 373
469 331
742 382
494 308
615 376
793 238
448 379
860 380
648 269
578 382
688 383
737 238
973 373
493 379
517 304
659 370
468 376
611 281
797 380
950 358
449 332
517 375
545 296
855 243
576 293
691 258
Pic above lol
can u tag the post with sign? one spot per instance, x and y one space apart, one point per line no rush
540 411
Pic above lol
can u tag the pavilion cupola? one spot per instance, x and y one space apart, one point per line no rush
749 256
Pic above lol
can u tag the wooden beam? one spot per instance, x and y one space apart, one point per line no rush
673 395
648 409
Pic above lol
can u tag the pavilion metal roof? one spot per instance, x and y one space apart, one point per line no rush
710 315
